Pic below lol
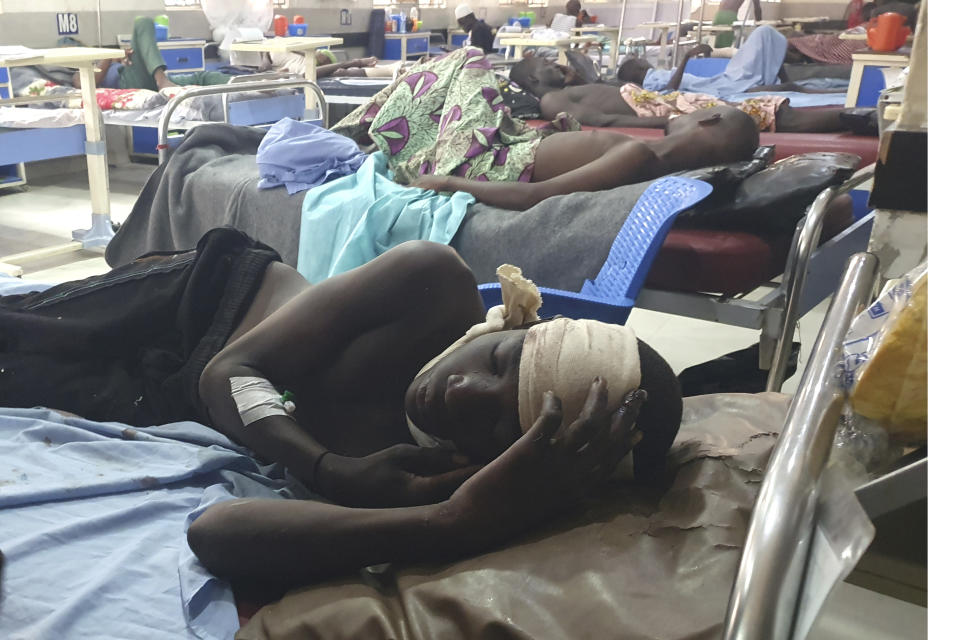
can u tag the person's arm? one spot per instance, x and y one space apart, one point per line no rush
372 313
557 102
548 469
677 77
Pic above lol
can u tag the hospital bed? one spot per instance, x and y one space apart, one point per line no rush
701 273
633 562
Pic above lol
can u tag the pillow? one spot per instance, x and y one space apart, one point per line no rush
774 200
522 104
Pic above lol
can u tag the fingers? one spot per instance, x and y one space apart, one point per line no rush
548 422
592 419
624 432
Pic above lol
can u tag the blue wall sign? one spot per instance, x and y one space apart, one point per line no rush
67 24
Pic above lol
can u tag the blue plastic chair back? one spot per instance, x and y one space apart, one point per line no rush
641 236
610 296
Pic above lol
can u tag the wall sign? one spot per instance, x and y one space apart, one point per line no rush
67 24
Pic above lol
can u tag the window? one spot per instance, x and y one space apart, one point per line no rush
279 4
432 4
526 3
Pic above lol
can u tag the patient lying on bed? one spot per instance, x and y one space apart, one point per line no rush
218 333
573 161
631 105
327 65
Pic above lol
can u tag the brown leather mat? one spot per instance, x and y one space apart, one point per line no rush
631 564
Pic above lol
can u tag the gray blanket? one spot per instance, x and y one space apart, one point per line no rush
211 181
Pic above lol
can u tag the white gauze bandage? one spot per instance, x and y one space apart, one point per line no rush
256 399
521 300
564 356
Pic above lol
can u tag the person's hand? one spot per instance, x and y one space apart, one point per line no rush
400 476
437 183
128 57
700 49
548 468
365 62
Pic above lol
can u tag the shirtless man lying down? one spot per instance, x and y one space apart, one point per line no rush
216 334
596 160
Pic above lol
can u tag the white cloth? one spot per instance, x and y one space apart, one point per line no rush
565 355
226 19
462 11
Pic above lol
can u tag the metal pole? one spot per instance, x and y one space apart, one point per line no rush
262 85
616 53
676 34
798 263
99 28
766 592
703 6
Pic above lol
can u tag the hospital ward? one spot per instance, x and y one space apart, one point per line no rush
473 319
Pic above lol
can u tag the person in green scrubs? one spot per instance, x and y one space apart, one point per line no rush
726 15
145 68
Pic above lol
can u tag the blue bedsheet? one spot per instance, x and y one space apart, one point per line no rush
93 520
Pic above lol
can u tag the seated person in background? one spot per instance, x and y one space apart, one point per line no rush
600 105
144 67
573 8
727 15
480 33
327 65
567 162
216 334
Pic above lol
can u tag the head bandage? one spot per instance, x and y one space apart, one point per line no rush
462 11
521 299
562 356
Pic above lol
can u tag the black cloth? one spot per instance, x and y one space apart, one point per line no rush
481 36
377 40
130 345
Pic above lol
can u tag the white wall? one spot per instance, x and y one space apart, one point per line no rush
32 22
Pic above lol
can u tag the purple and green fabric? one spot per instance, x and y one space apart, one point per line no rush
447 117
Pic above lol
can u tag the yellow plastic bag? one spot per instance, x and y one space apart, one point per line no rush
886 360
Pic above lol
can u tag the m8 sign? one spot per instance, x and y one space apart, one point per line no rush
67 24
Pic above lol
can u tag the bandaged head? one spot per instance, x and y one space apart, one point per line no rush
562 355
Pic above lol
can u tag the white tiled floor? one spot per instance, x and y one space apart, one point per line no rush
50 209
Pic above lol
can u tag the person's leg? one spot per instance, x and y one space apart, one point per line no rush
724 17
808 120
146 63
201 78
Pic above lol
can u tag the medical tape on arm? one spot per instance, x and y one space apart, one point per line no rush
256 399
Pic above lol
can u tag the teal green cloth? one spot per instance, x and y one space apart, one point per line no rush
348 222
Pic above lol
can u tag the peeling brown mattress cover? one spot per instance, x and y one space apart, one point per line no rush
631 563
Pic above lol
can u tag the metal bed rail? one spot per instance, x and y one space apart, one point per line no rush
765 594
806 240
256 85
